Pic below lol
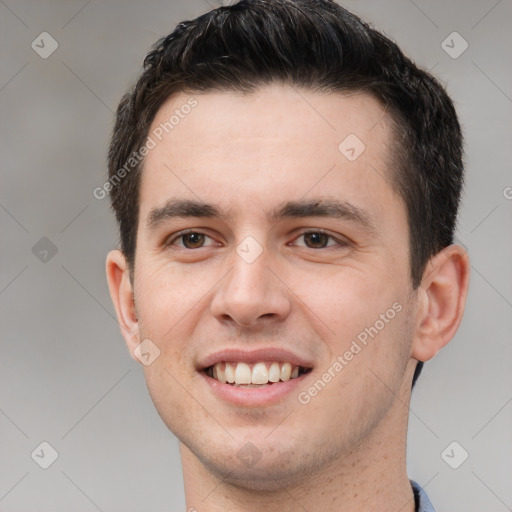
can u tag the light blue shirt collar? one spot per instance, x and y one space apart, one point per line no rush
424 503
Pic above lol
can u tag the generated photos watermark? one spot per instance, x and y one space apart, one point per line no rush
156 136
342 360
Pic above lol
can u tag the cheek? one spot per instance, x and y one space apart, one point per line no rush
345 300
165 292
165 300
362 318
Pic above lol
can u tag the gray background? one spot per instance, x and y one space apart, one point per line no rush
66 376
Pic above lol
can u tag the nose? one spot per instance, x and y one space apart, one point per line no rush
251 294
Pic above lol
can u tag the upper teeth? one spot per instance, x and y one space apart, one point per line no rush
260 373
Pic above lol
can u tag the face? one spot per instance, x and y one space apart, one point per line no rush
300 257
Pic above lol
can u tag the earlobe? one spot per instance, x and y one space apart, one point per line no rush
442 297
121 293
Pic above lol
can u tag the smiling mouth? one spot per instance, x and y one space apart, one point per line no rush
239 374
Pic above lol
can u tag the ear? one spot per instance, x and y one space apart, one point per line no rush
442 299
121 293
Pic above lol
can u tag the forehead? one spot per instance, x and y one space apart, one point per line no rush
271 111
256 150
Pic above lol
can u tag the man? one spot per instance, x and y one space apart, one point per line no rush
286 184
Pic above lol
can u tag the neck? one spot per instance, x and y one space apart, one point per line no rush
371 477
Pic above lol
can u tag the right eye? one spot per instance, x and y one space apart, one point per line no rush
190 240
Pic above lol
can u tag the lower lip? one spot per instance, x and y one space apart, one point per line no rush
251 397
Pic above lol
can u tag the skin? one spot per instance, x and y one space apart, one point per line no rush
345 449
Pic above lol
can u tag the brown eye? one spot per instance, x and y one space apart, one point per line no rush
317 240
320 240
189 240
193 240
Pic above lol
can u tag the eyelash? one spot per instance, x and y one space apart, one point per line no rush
340 243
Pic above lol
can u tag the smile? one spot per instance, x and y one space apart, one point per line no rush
254 375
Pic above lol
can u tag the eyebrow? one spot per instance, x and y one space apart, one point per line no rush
333 208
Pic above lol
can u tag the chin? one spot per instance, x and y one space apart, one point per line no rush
250 468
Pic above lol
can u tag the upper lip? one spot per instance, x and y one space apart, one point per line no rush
253 356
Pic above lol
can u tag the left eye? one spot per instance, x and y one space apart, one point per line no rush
319 240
